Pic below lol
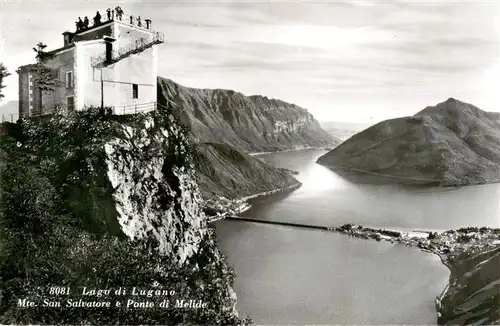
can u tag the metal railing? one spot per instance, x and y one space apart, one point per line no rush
116 109
134 108
138 46
12 117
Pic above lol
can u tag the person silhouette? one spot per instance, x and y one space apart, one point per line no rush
86 22
119 12
131 20
139 21
108 12
79 24
97 18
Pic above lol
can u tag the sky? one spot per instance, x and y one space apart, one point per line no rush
357 61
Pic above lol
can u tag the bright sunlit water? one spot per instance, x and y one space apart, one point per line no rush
297 276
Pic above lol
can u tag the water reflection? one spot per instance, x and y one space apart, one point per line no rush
296 276
325 197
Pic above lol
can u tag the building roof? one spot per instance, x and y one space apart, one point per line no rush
103 24
61 49
26 68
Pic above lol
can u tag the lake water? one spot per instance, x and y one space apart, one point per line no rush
297 276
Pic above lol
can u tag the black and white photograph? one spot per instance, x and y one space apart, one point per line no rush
249 162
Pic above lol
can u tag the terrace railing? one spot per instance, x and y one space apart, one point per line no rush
138 46
134 108
117 110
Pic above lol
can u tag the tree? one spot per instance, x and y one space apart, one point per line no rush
40 53
3 74
432 235
44 77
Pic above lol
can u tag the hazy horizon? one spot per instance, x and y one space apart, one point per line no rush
350 61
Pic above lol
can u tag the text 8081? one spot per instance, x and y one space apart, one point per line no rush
57 290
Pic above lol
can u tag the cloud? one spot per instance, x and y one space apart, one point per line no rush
332 57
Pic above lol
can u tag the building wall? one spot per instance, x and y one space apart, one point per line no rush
88 78
61 63
136 69
24 95
127 35
140 69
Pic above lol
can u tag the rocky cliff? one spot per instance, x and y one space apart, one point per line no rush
101 201
247 123
452 143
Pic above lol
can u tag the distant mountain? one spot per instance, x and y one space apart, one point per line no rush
343 130
247 123
9 108
452 143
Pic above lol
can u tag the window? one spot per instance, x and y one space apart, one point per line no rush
69 79
135 91
70 103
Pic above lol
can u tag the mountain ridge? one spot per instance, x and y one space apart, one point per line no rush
250 123
451 143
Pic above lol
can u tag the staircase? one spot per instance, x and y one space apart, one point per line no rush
139 46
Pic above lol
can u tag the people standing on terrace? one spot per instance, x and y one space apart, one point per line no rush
97 19
139 23
131 20
79 24
148 23
86 22
119 12
108 12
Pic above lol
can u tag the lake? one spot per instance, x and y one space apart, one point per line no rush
298 276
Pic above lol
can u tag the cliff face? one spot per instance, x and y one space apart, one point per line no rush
155 195
248 123
452 143
225 171
106 201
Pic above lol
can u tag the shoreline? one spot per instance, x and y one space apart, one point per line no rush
225 207
444 244
270 192
288 150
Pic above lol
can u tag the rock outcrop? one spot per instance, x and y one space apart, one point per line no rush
102 201
452 143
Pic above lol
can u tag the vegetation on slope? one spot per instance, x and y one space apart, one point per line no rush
227 172
473 296
59 227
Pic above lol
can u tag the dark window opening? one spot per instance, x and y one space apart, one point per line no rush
71 103
109 51
69 79
135 91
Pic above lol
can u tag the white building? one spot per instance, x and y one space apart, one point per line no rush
111 63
